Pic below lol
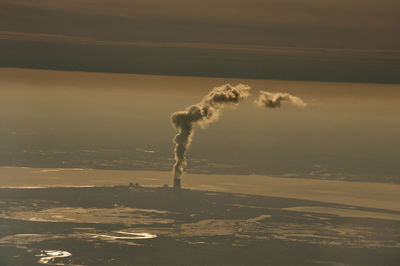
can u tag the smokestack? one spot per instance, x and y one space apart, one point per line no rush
177 184
202 114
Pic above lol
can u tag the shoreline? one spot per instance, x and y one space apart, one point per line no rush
362 194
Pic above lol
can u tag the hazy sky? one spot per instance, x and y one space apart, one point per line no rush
120 121
285 39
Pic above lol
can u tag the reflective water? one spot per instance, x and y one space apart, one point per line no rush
67 226
124 215
52 257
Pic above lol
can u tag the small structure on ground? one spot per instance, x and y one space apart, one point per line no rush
134 187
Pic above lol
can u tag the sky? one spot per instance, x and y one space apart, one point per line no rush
341 57
346 41
66 119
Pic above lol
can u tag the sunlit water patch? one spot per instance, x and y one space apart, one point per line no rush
241 232
30 242
118 215
346 212
319 232
122 237
136 235
22 240
53 257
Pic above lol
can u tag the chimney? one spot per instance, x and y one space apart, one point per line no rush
177 184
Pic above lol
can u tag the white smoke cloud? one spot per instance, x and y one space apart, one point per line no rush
275 99
202 114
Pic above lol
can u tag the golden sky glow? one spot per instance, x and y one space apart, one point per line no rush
293 40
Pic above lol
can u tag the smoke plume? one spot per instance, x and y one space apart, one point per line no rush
275 99
202 114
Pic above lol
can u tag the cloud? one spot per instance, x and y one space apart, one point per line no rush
275 99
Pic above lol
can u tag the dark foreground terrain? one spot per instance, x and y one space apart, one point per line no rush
156 226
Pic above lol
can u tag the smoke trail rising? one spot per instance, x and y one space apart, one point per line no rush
202 114
275 99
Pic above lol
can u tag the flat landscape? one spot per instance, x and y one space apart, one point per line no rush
125 225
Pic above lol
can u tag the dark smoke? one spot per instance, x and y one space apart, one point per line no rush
275 99
202 114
